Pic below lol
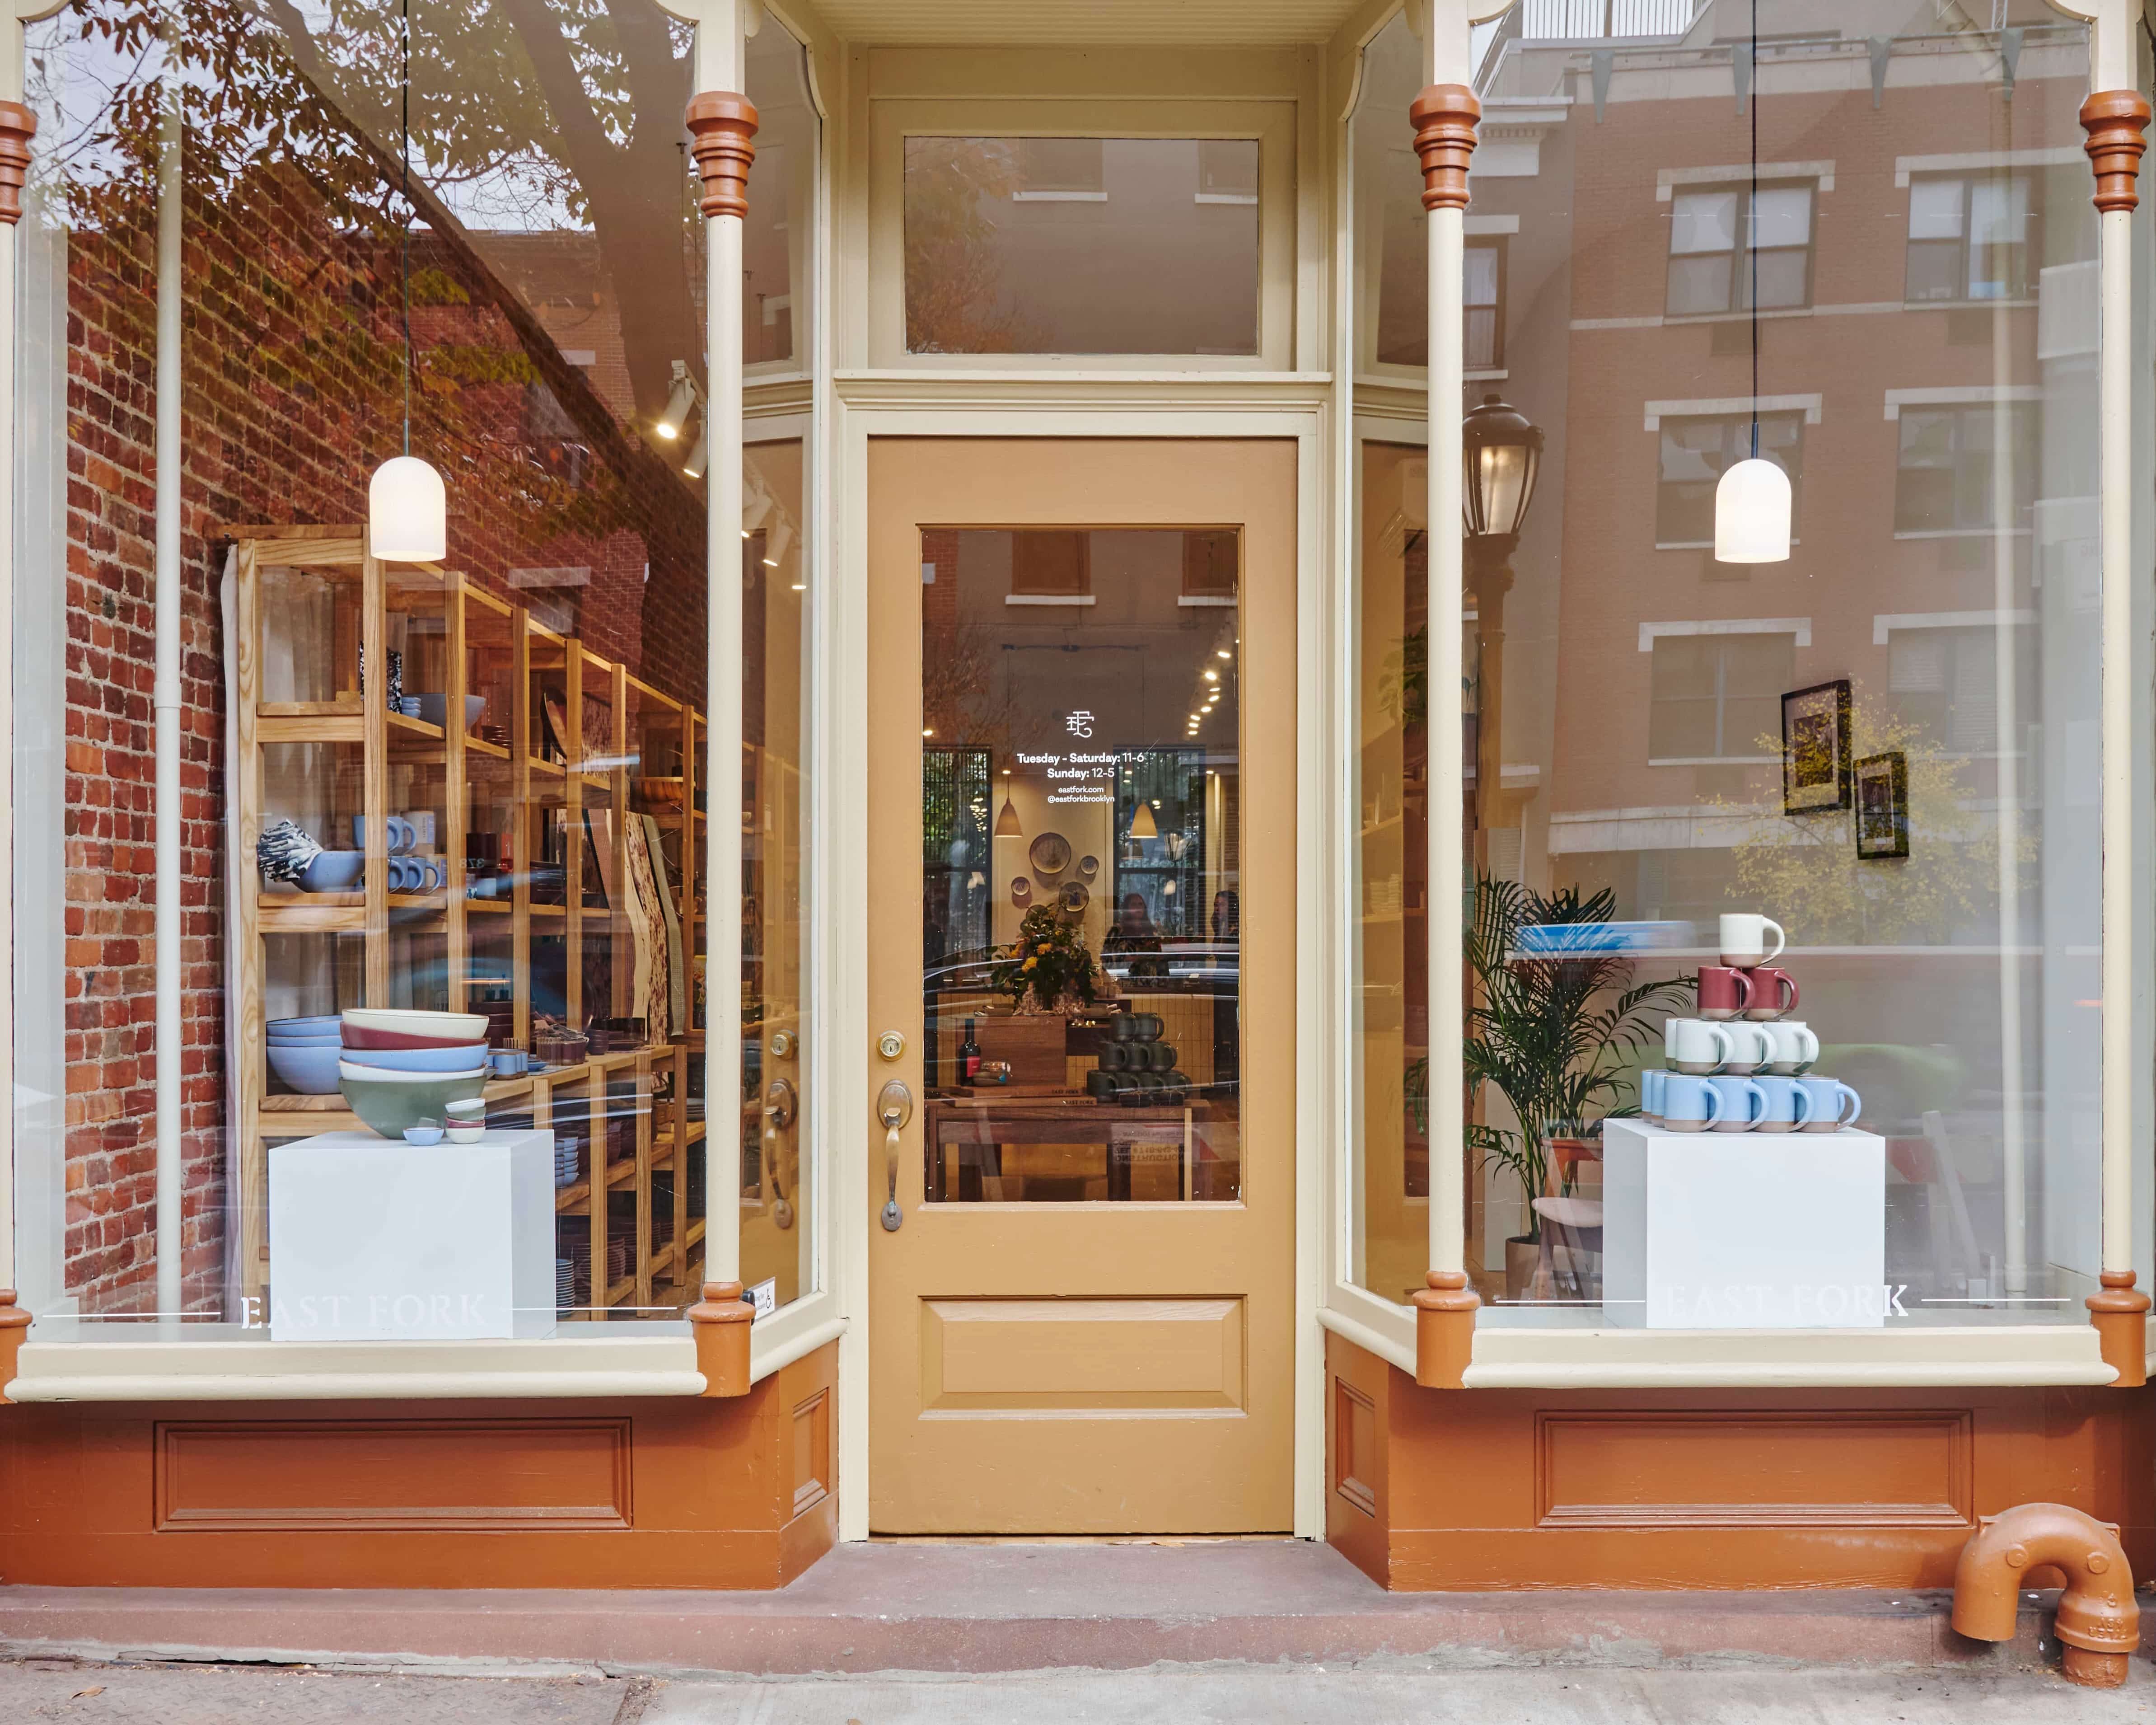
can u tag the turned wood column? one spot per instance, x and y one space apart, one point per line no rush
18 126
1444 116
722 131
2116 122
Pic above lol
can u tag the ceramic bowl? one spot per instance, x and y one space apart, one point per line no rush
460 1057
388 1027
303 1027
423 1133
310 1071
434 708
474 1110
305 1042
334 871
390 1102
466 1134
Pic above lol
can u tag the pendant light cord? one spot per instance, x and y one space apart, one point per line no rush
1751 225
404 85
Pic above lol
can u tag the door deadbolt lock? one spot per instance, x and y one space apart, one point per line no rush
891 1044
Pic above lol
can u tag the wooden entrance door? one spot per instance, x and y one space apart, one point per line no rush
1081 742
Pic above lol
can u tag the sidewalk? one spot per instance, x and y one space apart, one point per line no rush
1382 1693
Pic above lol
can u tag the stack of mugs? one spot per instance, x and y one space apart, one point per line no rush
1742 1065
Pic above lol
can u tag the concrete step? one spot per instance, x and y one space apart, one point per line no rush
981 1607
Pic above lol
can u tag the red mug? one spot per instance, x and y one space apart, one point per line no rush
1724 991
1774 993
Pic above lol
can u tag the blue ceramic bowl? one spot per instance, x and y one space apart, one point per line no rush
310 1071
334 871
434 708
461 1058
303 1027
423 1135
330 1041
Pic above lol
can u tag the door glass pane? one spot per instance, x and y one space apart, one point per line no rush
1080 829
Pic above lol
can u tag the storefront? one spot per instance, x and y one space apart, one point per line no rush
994 452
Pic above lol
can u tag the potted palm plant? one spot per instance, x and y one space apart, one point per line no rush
1552 1036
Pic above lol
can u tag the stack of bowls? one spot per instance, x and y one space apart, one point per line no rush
303 1052
399 1067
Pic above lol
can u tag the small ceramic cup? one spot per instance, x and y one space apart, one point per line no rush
1796 1047
466 1134
1774 993
1750 1047
424 1131
1788 1105
1743 1103
1651 1082
1834 1104
1724 992
1690 1104
1697 1047
1744 939
508 1062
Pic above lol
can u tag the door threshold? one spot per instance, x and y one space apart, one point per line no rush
1282 1538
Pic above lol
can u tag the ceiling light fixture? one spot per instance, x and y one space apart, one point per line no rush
700 453
1142 824
1007 823
680 403
407 507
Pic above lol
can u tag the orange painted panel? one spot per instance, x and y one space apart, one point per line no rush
348 1474
1754 1469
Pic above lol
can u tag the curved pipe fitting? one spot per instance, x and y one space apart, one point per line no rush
2098 1620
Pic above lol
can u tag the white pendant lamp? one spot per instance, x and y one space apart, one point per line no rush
1751 499
1752 514
407 505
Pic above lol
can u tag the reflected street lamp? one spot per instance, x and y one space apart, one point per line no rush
1501 451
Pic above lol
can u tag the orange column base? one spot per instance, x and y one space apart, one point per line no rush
2120 1312
720 1322
14 1326
1444 1330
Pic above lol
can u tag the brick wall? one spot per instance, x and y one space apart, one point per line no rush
293 393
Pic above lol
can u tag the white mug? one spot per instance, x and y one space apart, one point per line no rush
1795 1048
1751 1048
1744 939
1696 1046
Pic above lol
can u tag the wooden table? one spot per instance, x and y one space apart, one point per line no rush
980 1124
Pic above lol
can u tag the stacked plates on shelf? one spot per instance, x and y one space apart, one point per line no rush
565 1284
565 1162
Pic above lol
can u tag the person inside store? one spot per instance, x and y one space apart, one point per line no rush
1134 932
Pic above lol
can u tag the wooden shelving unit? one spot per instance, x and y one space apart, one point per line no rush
317 743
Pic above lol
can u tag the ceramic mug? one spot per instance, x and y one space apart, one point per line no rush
1744 939
400 874
1724 992
401 836
1743 1103
1774 993
1690 1104
1651 1094
1751 1048
1696 1046
1796 1046
1788 1105
1828 1095
508 1062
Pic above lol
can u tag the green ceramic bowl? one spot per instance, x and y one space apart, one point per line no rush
388 1102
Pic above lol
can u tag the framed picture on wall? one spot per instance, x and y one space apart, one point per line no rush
1815 767
1882 807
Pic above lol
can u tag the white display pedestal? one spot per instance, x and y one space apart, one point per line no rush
1743 1230
374 1239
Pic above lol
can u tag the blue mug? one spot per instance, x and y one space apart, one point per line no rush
1690 1104
1788 1105
1651 1094
1743 1103
1829 1097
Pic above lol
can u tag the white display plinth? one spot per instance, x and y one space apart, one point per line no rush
374 1239
1743 1230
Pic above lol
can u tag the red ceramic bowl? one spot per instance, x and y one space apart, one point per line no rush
356 1037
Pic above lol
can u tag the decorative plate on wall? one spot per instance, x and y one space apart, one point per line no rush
1076 897
1051 854
1021 889
1088 867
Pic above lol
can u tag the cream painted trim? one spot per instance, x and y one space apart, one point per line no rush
2059 156
1801 627
1533 1358
1722 406
1945 395
776 1343
174 1368
1119 406
770 397
960 392
1374 1325
1272 124
1667 178
1885 623
1481 227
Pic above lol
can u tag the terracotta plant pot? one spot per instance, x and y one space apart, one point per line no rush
1522 1258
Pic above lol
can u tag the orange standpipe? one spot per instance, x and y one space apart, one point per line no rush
2098 1619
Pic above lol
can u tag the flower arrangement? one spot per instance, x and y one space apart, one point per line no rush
1047 967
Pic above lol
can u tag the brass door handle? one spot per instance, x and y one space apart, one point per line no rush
893 1109
781 1108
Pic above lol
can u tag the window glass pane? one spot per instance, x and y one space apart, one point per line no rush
1081 245
781 220
1081 823
473 786
1703 221
1662 740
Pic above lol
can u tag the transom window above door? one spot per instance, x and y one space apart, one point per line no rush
1081 245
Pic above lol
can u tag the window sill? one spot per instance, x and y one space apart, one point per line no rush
229 1367
1961 533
